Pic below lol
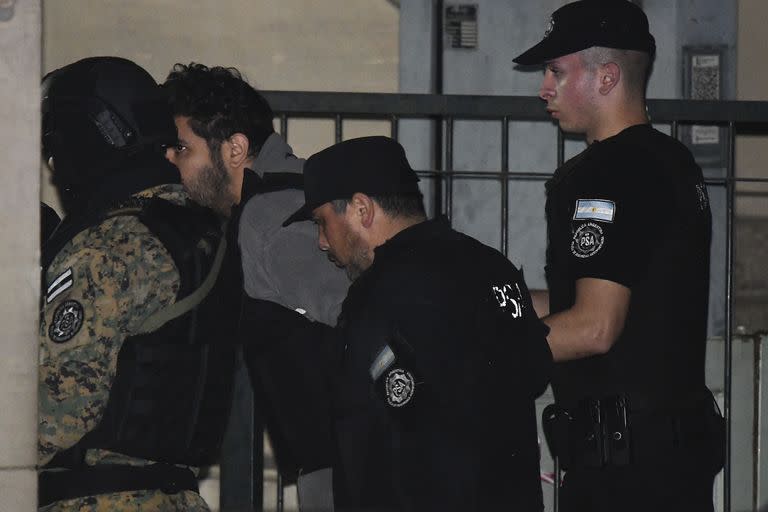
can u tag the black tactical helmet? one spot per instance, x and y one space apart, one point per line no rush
98 114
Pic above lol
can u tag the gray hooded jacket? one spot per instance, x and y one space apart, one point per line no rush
284 264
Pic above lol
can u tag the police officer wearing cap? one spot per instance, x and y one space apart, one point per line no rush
436 332
140 304
628 224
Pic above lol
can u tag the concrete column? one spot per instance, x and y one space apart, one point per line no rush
20 47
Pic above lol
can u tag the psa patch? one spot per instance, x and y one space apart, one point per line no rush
587 240
399 387
67 321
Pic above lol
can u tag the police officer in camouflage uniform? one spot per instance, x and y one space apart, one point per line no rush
135 375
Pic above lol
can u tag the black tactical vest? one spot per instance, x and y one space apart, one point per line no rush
172 393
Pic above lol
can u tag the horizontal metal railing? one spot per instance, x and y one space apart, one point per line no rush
516 108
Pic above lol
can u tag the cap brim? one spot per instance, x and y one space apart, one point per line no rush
537 54
547 49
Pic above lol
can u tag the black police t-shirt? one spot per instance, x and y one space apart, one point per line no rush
434 400
633 209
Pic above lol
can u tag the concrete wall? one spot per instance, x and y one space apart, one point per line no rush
19 255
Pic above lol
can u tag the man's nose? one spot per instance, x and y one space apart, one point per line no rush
322 242
546 91
170 155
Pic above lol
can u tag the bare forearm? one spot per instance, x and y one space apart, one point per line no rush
570 335
593 324
573 336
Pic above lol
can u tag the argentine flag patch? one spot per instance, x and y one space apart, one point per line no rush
594 209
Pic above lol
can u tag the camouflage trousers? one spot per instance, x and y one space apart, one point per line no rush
132 501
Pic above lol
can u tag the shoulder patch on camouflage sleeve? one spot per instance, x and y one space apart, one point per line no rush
67 320
59 285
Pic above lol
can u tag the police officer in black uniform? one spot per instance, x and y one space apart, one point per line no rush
628 273
439 354
140 304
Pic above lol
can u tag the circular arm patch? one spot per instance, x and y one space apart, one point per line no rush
399 387
587 240
67 321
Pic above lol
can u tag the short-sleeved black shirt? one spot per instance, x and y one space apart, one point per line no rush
633 209
450 423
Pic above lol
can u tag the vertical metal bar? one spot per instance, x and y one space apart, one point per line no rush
394 124
674 129
758 475
337 125
556 486
258 464
284 126
449 168
241 484
560 147
729 187
756 342
280 493
437 63
505 186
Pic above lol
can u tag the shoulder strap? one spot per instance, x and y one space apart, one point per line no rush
178 308
186 232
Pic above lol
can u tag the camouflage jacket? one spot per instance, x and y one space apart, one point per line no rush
98 290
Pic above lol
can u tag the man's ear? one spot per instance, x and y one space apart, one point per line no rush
235 150
362 209
610 75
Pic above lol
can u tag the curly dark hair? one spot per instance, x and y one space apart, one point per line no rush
219 103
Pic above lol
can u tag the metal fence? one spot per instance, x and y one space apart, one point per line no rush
734 117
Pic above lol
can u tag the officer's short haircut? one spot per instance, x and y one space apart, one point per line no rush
219 103
635 65
393 205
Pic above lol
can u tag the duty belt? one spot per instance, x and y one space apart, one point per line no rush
57 485
621 429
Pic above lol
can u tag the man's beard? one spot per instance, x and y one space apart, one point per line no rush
359 259
211 187
353 270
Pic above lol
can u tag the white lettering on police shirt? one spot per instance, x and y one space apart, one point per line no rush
510 299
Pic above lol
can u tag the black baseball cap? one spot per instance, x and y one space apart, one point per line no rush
376 166
586 23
